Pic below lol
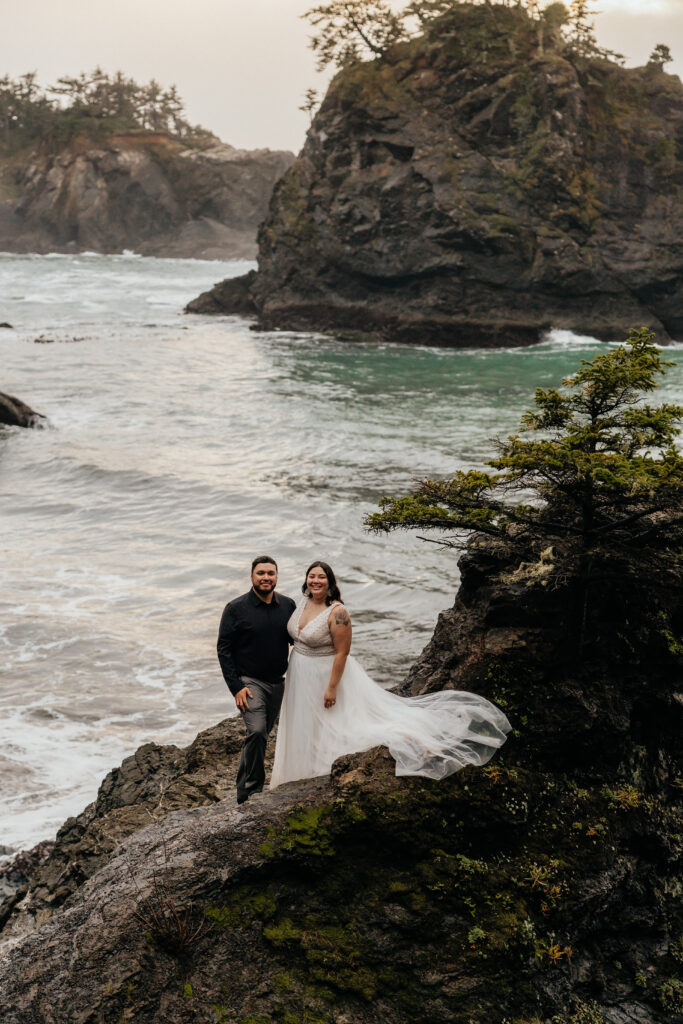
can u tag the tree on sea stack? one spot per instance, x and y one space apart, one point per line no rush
660 56
353 30
601 478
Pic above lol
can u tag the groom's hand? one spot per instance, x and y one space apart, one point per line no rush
241 698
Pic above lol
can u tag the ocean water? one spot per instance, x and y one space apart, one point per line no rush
176 449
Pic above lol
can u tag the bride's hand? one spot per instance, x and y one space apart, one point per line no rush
330 698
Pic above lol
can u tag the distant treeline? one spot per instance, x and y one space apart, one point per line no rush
93 104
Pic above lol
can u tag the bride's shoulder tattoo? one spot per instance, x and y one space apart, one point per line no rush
342 618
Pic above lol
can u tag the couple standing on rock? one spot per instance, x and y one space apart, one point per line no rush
330 706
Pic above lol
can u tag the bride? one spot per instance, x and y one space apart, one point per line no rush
332 707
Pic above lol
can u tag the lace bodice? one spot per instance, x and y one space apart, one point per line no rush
315 639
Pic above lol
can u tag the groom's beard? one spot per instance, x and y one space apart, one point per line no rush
264 588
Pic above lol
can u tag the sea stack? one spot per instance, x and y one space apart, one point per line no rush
478 186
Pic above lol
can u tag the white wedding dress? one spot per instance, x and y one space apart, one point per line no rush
433 735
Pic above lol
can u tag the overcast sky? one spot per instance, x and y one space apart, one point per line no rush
242 66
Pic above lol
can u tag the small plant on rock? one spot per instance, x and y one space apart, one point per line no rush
594 476
173 928
602 470
348 31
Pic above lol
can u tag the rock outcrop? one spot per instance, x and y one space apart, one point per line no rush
146 192
149 785
542 889
16 413
478 188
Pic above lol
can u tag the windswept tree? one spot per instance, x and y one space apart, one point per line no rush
660 56
310 103
351 30
580 32
600 475
173 114
581 28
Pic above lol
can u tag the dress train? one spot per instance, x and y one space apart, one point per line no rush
432 735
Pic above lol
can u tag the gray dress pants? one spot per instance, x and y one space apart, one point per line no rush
259 719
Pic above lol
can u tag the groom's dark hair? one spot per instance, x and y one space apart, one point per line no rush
263 558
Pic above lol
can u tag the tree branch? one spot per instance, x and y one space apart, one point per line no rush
370 45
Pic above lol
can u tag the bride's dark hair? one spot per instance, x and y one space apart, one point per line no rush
334 592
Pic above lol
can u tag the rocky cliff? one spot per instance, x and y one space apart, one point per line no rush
146 192
149 785
543 889
479 186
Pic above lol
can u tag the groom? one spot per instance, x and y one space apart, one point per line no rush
253 648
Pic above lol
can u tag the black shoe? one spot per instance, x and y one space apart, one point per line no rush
243 797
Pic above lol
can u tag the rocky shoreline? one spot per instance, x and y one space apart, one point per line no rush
148 785
475 188
543 888
145 192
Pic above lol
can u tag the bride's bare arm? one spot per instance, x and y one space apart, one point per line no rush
340 628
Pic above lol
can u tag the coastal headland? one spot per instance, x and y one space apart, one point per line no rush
101 163
145 192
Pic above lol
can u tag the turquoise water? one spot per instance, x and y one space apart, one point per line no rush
179 447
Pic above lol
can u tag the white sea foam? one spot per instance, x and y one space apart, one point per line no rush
569 339
57 769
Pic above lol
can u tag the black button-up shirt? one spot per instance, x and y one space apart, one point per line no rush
253 639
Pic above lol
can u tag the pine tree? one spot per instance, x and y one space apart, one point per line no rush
353 30
660 56
602 473
310 103
581 29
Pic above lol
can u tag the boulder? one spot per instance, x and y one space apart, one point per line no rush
148 785
17 414
234 294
